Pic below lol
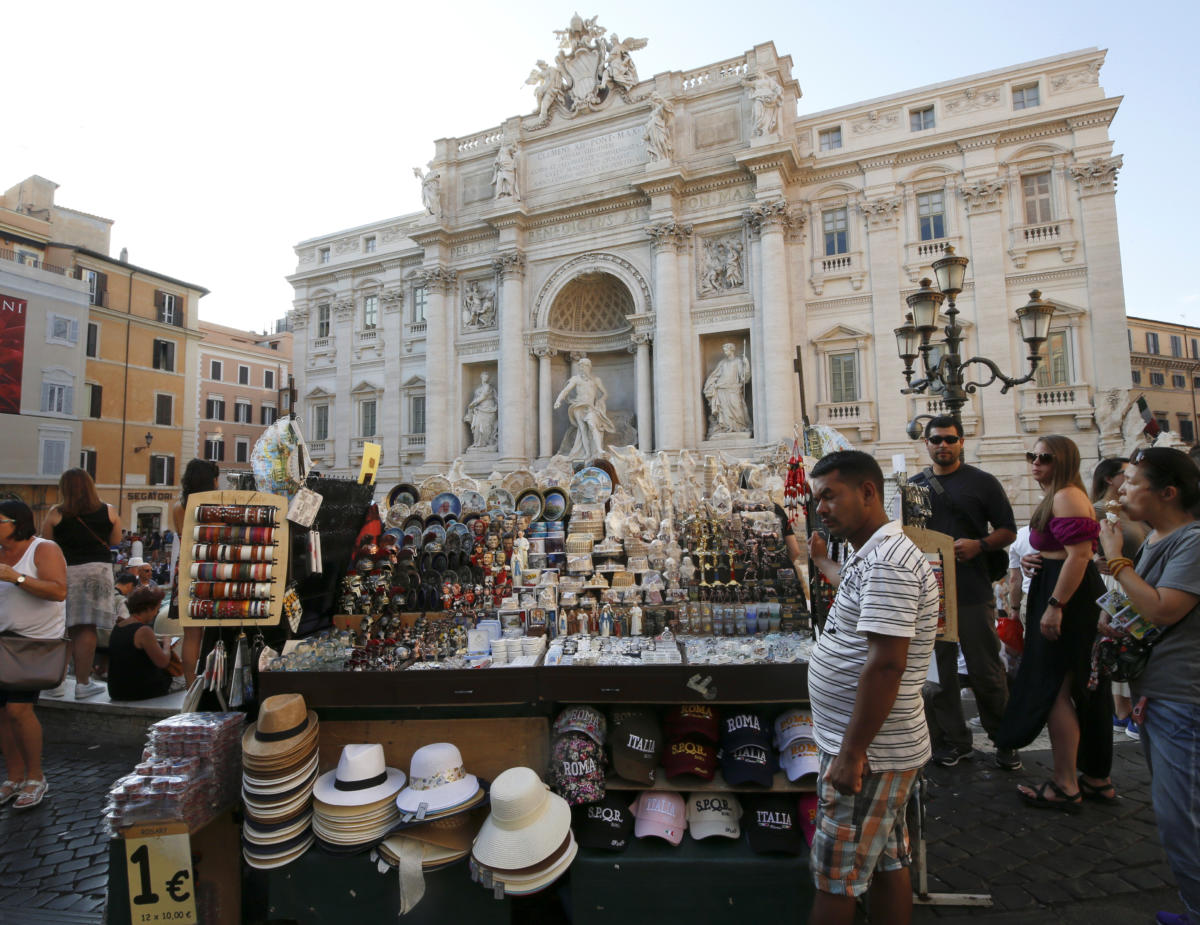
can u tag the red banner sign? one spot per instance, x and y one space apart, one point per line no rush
12 352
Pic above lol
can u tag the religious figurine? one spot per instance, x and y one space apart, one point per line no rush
504 173
431 190
482 413
767 96
587 411
521 550
479 307
657 134
620 71
550 85
635 620
606 620
725 389
722 268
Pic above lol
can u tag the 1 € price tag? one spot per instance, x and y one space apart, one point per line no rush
158 862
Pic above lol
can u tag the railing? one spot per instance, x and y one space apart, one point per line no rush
1055 397
368 336
733 69
414 440
932 249
29 260
841 412
321 343
316 447
482 139
832 264
1042 234
416 327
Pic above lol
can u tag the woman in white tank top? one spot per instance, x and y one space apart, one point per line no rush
33 587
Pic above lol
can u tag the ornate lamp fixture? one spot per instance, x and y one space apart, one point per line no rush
940 364
149 440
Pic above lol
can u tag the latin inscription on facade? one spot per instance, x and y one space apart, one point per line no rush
579 159
586 225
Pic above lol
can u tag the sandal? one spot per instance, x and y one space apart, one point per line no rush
30 798
1101 793
8 790
1037 798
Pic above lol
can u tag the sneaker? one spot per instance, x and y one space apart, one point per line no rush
1121 723
975 722
56 693
91 689
1008 759
1133 731
949 755
1173 918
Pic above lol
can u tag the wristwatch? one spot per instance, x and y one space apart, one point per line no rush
1055 602
21 579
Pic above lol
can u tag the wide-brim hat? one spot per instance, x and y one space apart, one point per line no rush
361 777
285 725
259 834
135 562
477 800
437 779
269 857
431 855
266 785
454 832
519 884
527 823
276 812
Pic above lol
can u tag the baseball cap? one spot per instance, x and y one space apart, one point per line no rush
808 816
750 764
637 744
791 725
577 766
772 824
743 727
587 720
606 825
690 756
660 813
692 720
800 758
713 814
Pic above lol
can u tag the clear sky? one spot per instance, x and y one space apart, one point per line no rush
218 135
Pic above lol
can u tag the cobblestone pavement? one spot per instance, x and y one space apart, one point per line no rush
54 857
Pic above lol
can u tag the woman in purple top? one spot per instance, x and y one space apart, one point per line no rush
1051 687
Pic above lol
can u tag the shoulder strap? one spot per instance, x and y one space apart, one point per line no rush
936 487
83 523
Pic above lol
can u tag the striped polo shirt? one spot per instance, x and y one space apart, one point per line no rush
888 587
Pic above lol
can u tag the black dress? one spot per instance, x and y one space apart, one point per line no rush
131 674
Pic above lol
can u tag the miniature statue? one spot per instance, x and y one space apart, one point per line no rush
635 620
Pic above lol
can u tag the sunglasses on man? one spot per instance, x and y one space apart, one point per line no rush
939 439
1044 458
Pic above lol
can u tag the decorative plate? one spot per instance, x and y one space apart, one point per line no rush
500 498
404 493
434 533
529 504
447 504
460 530
396 514
591 486
517 481
395 533
434 486
472 502
557 504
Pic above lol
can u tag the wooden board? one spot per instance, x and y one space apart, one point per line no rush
930 542
279 572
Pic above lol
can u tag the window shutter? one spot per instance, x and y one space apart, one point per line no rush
45 396
101 287
170 470
160 299
69 399
73 336
97 400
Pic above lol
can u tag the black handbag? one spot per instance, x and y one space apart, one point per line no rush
32 664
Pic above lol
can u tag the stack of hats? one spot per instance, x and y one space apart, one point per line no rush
637 744
526 843
577 756
711 814
355 805
691 731
746 756
798 753
773 824
660 814
279 767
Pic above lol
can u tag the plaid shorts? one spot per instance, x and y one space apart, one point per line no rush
862 833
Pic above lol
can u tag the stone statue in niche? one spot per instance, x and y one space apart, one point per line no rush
620 70
504 173
767 95
722 268
587 411
657 134
431 190
479 307
482 413
725 390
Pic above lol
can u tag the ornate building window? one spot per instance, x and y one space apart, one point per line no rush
420 298
323 255
830 139
1157 379
320 422
1178 381
921 119
1055 368
931 215
1151 342
323 320
370 312
843 377
369 244
1035 189
1025 97
1176 345
416 414
835 226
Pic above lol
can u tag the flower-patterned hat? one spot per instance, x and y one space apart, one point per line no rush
577 768
588 720
436 779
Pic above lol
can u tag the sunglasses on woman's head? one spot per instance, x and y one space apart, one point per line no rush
938 439
1044 458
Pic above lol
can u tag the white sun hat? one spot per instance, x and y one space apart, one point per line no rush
437 779
527 823
361 777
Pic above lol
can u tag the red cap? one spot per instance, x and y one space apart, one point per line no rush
690 757
692 720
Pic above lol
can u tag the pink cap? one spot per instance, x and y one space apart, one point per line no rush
661 813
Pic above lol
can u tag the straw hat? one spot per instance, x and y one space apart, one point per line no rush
527 823
277 855
538 876
362 777
437 780
285 728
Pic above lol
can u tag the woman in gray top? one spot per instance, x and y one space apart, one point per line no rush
1161 488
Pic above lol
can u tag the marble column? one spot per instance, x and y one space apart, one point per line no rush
545 402
344 423
882 217
439 366
774 418
511 269
645 398
669 239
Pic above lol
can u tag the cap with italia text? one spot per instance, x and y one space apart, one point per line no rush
772 824
660 813
637 744
606 825
750 764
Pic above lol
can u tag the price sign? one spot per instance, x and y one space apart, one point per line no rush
158 862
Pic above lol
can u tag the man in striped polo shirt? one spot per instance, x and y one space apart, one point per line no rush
864 682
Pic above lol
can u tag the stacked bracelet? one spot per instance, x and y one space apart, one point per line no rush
1115 565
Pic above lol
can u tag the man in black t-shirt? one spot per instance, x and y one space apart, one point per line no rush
972 508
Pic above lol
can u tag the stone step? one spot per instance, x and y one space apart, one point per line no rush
125 723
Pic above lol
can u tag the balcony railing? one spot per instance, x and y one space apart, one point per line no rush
1056 401
29 260
859 415
316 447
321 343
922 404
414 441
366 338
416 327
837 266
1057 235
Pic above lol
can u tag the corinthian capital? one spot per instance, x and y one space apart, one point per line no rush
983 196
881 213
774 214
1099 175
669 234
511 264
438 279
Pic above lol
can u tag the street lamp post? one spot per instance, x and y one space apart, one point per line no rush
945 374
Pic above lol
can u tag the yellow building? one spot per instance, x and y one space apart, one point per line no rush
1165 366
138 350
